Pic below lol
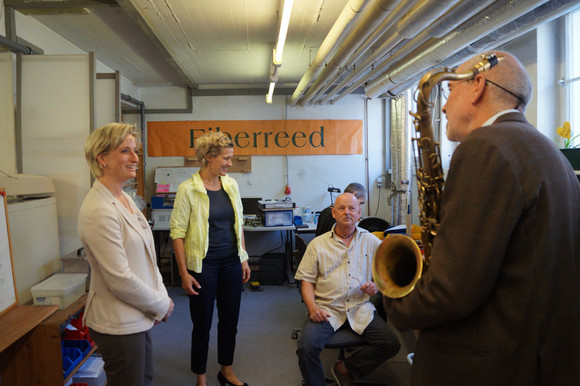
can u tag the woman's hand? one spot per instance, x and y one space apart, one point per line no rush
169 310
189 284
246 272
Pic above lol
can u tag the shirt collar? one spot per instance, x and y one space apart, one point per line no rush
496 116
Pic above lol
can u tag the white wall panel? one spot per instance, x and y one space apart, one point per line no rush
55 125
7 148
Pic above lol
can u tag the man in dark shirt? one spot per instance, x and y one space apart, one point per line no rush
326 220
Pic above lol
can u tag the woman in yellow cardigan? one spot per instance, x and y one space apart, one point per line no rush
208 241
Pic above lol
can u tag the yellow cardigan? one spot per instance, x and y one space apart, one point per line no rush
189 218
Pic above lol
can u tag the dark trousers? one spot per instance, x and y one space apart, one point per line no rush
128 358
382 345
220 281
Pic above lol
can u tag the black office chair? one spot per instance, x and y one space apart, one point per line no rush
298 253
374 224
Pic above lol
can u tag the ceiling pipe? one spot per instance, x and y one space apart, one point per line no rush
364 28
15 47
500 14
445 24
420 18
349 12
384 29
524 24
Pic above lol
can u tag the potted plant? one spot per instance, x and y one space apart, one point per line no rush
568 145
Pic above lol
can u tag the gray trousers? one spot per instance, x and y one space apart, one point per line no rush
128 358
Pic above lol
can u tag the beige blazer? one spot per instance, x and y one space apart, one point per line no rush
126 293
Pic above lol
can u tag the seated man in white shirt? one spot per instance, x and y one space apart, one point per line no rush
336 275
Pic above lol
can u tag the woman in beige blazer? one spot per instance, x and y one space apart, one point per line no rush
126 296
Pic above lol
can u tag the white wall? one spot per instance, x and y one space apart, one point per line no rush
308 176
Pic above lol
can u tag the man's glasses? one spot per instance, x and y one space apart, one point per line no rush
446 90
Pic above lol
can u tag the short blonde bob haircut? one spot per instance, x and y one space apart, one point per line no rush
211 144
105 139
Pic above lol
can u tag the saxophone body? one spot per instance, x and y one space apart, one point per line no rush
398 262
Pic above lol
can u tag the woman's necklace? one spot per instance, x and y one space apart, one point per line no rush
344 237
211 183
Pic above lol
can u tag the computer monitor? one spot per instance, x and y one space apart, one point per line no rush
250 205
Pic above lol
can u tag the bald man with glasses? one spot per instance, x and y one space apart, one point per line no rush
500 302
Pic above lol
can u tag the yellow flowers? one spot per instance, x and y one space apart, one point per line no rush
565 131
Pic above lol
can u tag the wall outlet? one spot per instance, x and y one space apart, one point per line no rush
380 182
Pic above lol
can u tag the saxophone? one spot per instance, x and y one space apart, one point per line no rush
398 262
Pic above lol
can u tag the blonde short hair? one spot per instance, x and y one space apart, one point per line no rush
211 144
105 139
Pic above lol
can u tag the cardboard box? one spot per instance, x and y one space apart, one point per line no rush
61 289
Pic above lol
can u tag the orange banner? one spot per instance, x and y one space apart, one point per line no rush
276 137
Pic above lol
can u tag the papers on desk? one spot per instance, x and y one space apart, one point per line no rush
168 179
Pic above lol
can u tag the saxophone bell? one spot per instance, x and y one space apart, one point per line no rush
397 266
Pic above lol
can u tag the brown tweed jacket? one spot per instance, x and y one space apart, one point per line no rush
500 302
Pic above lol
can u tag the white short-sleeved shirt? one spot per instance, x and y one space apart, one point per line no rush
338 272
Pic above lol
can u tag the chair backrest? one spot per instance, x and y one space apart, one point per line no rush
374 224
300 248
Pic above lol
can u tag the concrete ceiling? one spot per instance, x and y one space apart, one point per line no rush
225 46
210 44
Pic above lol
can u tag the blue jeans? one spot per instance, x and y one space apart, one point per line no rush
382 345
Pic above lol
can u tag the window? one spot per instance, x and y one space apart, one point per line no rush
573 73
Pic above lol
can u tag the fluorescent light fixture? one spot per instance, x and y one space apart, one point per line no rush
270 93
283 31
277 54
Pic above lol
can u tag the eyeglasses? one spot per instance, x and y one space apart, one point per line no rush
446 89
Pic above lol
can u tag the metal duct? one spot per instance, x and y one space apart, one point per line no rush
363 29
500 14
384 29
421 15
346 16
400 168
451 19
542 14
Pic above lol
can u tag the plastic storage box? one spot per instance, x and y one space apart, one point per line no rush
61 289
274 218
91 372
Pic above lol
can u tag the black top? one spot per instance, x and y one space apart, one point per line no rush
325 221
222 236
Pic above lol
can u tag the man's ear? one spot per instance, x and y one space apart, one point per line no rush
478 89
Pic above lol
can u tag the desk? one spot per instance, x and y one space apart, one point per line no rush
288 247
310 228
